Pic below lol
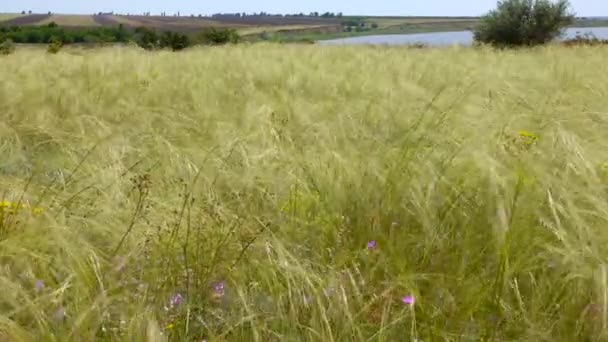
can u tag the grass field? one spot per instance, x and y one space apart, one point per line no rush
9 16
283 193
390 22
274 28
70 20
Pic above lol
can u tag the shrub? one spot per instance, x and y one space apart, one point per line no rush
213 36
44 34
146 38
523 23
55 46
7 47
174 40
353 22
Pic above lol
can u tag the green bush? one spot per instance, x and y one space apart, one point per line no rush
174 40
55 46
7 47
213 36
146 38
44 34
523 23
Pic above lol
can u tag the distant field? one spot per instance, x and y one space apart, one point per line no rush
172 23
30 19
9 16
384 23
277 28
70 20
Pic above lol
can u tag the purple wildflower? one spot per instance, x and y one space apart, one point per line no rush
371 245
408 300
219 288
176 300
39 286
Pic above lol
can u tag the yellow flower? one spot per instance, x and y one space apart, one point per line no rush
529 135
170 326
13 207
7 204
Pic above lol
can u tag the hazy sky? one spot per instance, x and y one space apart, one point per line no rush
371 7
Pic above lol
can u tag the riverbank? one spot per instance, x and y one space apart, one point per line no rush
463 38
395 29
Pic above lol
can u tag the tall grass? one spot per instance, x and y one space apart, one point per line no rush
233 194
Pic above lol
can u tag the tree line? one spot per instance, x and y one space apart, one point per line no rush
265 14
147 38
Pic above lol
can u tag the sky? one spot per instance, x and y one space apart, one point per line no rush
348 7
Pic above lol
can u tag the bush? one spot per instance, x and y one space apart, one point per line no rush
213 36
7 47
175 41
353 22
146 38
44 34
55 46
524 23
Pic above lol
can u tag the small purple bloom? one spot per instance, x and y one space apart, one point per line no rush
39 285
219 288
371 245
408 300
176 300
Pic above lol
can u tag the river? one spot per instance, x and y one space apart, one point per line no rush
444 38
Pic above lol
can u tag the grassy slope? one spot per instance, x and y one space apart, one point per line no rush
9 16
273 28
273 178
398 29
405 26
70 20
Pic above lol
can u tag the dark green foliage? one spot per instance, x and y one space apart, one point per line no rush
7 47
55 46
144 37
147 38
213 36
353 22
174 40
45 34
150 40
523 23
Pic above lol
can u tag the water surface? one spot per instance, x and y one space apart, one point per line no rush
444 38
